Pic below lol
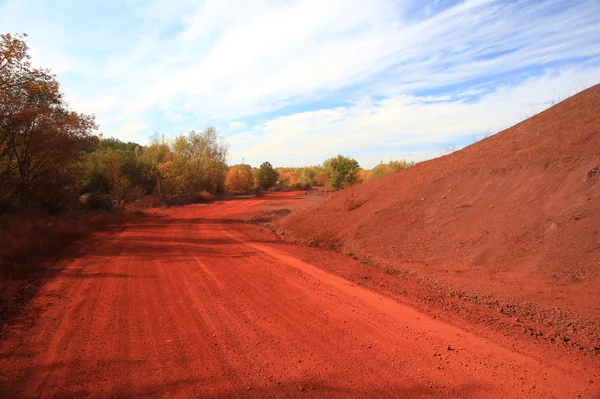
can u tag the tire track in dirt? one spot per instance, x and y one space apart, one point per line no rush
361 318
186 306
84 301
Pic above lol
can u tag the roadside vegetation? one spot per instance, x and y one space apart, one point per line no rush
183 165
335 173
51 155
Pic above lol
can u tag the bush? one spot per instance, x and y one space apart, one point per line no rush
341 171
391 167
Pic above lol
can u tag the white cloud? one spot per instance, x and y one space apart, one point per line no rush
404 73
236 125
390 128
130 131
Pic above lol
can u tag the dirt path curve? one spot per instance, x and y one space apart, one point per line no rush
186 306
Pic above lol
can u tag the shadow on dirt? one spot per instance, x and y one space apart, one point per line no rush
151 249
315 388
18 292
103 275
21 291
83 384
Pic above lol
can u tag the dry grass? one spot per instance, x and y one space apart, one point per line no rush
29 238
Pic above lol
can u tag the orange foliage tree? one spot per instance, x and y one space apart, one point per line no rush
239 179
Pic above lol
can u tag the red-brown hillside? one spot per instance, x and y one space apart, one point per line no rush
516 214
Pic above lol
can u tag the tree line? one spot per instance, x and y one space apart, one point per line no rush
335 173
183 165
50 154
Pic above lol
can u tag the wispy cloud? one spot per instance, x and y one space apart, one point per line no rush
405 127
339 75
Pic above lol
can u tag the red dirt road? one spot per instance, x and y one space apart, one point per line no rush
187 306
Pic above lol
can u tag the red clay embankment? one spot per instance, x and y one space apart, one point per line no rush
512 221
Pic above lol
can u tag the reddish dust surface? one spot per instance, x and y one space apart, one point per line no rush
512 222
188 305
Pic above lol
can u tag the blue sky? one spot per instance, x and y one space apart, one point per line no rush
297 81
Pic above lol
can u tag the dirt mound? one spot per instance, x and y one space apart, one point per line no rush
270 216
516 214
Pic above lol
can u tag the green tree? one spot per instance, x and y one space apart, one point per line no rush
206 155
266 176
341 171
117 168
187 164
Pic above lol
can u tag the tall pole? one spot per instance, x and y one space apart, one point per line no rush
243 160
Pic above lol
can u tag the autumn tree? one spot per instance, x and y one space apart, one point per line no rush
301 177
320 177
289 177
341 171
199 161
188 164
40 137
182 165
311 176
256 178
48 150
154 155
16 82
239 179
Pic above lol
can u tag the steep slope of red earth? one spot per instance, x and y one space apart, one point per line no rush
511 222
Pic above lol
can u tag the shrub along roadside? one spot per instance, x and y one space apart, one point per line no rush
29 238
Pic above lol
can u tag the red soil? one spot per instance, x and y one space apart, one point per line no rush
188 305
196 302
512 222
